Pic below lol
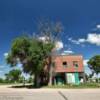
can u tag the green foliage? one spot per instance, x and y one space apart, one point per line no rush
19 49
1 80
94 64
13 75
72 86
31 53
30 79
21 79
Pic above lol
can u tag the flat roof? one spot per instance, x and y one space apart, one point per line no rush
68 55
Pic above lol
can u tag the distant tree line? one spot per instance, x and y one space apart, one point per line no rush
15 76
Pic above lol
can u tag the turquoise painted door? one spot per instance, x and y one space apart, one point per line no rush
59 81
76 78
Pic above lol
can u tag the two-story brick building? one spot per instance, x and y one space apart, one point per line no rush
68 69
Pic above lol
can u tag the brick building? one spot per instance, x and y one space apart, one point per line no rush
68 69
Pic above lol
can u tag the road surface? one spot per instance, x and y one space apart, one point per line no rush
8 93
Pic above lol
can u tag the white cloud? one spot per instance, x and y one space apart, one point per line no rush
74 41
86 68
59 45
98 26
92 38
68 51
43 38
5 54
85 62
1 66
81 40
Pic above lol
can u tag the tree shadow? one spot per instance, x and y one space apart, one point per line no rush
26 86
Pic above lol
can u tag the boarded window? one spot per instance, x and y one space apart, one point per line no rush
64 64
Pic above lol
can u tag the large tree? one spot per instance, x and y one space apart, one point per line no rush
36 52
94 64
31 53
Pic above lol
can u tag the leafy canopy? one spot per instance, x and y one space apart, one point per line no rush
94 64
13 75
30 52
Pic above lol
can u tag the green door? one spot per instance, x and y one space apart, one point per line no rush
59 81
76 78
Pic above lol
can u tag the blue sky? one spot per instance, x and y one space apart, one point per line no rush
80 18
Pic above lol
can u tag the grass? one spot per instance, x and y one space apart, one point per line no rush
10 83
6 83
71 86
68 86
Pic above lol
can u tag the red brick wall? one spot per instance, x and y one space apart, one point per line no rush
69 59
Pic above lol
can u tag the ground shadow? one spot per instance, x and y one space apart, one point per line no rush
25 86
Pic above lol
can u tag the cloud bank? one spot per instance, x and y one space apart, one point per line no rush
92 38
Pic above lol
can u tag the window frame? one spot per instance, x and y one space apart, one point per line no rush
75 64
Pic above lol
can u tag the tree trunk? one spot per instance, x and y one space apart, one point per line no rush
98 78
50 71
50 76
24 82
84 77
36 81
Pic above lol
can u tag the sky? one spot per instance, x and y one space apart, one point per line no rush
80 19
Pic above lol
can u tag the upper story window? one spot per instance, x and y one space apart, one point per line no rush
75 63
64 64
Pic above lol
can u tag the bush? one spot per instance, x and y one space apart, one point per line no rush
1 80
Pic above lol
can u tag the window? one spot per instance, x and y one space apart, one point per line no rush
64 64
75 63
